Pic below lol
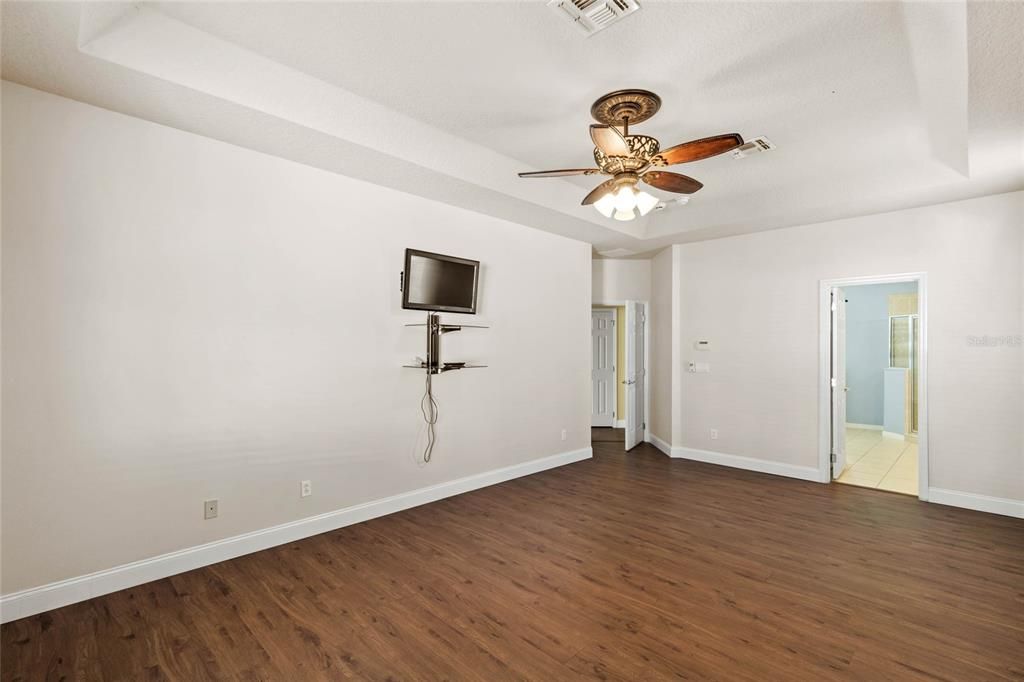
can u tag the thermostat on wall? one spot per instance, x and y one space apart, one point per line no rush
702 345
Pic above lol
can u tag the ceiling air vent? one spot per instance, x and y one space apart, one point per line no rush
591 16
755 146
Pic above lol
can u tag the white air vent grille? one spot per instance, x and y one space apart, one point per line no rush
672 203
591 16
755 146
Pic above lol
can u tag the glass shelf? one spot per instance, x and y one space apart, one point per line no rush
449 326
447 367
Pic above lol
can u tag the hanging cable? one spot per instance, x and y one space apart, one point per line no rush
428 406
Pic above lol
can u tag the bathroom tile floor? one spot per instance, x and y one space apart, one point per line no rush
874 461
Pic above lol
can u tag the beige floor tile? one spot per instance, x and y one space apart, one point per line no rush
907 486
889 446
905 467
874 461
857 449
860 478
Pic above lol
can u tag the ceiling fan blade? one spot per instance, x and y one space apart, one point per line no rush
599 191
561 173
697 150
610 141
671 182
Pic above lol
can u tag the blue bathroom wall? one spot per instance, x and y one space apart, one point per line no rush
867 348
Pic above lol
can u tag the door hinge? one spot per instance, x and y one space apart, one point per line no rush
833 458
833 381
644 425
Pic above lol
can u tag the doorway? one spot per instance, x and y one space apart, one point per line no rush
619 351
874 426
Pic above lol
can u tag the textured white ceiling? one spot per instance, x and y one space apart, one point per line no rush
873 106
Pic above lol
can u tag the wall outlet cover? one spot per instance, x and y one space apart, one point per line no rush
210 509
306 488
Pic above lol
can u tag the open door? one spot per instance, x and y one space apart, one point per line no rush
838 381
636 374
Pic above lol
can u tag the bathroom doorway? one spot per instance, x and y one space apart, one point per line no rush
875 374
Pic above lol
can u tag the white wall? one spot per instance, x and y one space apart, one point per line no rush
184 320
616 280
756 298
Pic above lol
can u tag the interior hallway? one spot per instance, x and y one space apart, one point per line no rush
874 461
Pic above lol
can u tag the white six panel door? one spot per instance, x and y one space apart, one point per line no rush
602 336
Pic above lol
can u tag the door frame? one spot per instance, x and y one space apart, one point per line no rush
614 303
825 360
615 364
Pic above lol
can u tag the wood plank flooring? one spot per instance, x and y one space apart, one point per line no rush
626 567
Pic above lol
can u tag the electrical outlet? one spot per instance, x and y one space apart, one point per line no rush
564 434
714 434
210 509
306 489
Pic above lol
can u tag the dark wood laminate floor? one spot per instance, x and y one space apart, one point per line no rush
629 566
607 434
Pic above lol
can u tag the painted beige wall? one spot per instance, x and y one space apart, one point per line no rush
660 346
184 319
617 280
756 298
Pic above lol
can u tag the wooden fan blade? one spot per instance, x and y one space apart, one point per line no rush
697 150
561 173
610 141
599 191
671 182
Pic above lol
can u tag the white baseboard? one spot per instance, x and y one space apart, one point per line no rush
620 423
46 597
984 503
763 466
869 427
660 444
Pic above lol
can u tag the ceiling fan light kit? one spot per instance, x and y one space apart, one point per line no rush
630 158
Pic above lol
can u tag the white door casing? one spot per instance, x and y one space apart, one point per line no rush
636 374
602 337
838 382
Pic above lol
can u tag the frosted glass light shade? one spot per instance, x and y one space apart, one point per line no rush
626 203
606 205
645 202
625 198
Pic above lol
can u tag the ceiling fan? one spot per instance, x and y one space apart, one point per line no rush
630 158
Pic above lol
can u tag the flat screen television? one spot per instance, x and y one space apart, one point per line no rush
433 281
